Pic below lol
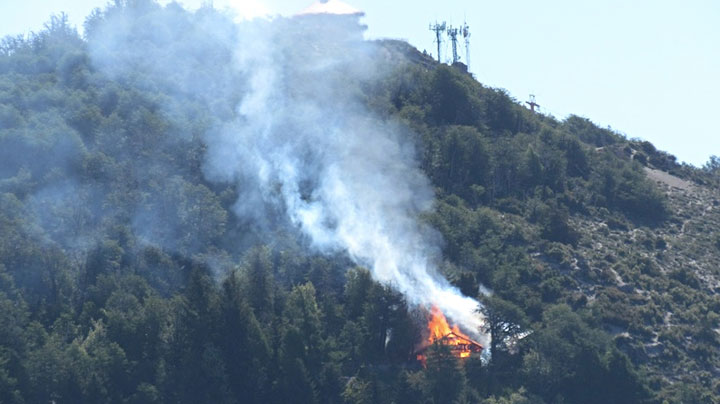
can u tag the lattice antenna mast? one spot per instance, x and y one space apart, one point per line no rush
532 103
453 33
438 29
466 34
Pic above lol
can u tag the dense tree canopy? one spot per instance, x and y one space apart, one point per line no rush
125 276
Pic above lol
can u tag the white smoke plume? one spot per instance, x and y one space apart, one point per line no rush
302 140
348 180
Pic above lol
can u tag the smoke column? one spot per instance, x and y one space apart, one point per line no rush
301 142
347 179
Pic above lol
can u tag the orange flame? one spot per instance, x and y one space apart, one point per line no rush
439 326
460 344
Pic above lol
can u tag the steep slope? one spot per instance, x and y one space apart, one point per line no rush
130 271
660 285
645 266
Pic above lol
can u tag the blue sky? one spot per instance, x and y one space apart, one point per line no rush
649 69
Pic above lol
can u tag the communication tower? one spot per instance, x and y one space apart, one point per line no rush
532 103
438 29
466 34
453 33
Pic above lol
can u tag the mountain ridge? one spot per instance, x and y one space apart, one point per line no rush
126 275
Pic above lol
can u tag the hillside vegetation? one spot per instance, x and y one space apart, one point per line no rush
126 276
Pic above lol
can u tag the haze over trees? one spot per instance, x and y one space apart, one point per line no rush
128 276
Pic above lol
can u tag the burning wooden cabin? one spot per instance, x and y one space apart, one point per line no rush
461 346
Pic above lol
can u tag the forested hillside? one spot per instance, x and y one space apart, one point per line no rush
132 272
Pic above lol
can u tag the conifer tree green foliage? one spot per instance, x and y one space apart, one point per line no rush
126 277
